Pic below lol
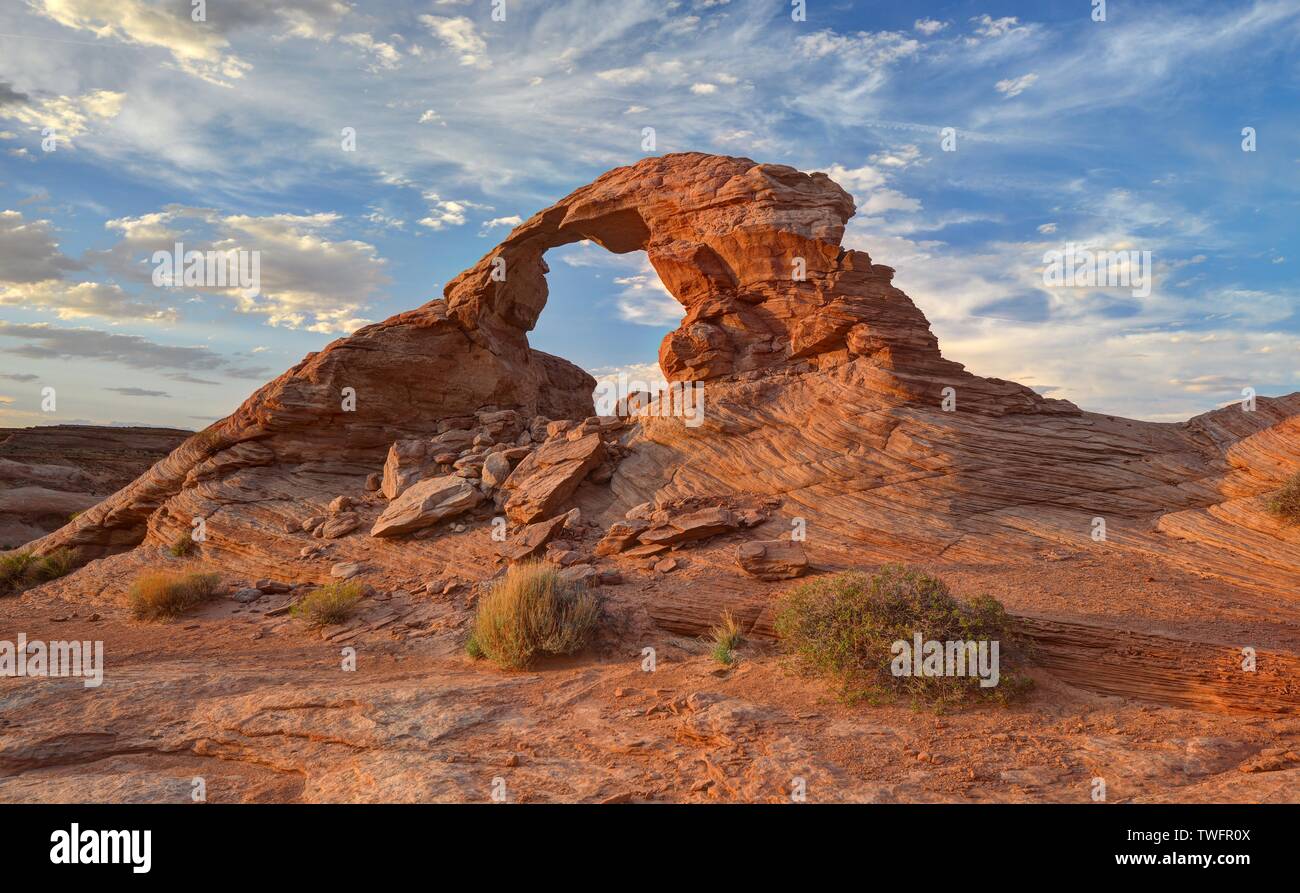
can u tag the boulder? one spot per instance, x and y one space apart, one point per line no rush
346 570
425 504
340 525
695 525
407 462
496 468
529 541
772 559
621 535
544 481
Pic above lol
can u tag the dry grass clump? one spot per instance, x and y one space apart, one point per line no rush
22 570
182 545
532 611
329 604
725 637
162 595
845 626
1285 503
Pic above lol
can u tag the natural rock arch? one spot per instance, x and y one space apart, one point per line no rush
825 389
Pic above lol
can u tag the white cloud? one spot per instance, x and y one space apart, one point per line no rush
929 27
429 116
308 280
68 116
898 158
199 51
383 56
459 35
445 212
1047 228
512 220
1015 86
987 26
703 89
630 75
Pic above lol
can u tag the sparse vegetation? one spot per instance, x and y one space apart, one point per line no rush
473 648
725 638
161 595
532 611
182 546
1285 503
21 570
845 627
329 604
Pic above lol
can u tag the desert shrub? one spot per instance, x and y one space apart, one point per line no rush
58 563
15 568
19 570
329 604
532 611
1285 503
845 627
725 637
182 545
161 595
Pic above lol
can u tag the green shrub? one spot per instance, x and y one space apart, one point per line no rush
845 627
15 570
532 611
725 637
1285 503
329 604
473 648
161 595
21 570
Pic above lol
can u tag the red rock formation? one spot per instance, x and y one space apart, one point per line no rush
825 387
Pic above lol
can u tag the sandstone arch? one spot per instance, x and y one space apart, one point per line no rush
824 391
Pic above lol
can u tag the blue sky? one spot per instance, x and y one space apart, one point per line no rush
1116 134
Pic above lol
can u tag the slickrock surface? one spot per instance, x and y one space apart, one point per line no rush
421 455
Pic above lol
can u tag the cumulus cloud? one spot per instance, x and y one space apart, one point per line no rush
989 27
309 279
65 116
383 56
445 212
512 220
33 270
459 35
929 27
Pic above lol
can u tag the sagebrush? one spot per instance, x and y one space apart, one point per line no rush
533 611
1285 503
845 626
329 604
162 595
